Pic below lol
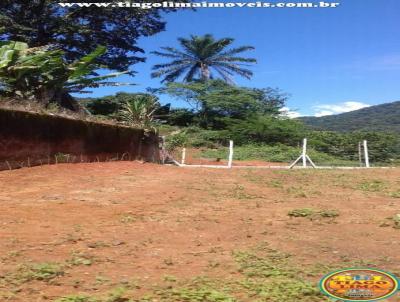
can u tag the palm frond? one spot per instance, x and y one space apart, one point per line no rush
226 75
236 50
201 54
190 75
236 69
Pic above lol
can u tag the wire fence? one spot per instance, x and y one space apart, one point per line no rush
357 155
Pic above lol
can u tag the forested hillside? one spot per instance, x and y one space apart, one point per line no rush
385 117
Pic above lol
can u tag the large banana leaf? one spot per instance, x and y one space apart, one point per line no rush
83 66
83 80
6 57
9 51
27 72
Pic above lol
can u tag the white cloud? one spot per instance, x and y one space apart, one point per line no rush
286 111
329 109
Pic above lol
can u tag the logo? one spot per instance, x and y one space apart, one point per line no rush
359 284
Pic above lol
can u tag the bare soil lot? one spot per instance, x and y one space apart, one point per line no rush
127 231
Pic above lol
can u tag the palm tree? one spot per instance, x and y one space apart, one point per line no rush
200 54
139 111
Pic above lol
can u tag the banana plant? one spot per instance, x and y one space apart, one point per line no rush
42 74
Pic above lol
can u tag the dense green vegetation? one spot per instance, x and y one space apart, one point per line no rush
79 30
217 111
252 118
384 117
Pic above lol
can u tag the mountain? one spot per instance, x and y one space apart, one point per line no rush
384 117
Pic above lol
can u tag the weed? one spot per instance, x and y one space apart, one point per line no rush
392 221
305 212
14 254
372 186
275 183
102 280
97 244
80 259
127 219
271 277
78 298
297 192
169 278
271 265
395 194
239 192
62 157
117 295
252 177
267 275
283 289
73 238
198 290
396 221
40 271
328 213
313 214
11 256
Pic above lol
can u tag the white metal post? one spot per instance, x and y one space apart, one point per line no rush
230 159
304 153
183 156
366 156
163 158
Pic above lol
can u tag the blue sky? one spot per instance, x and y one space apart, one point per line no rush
328 60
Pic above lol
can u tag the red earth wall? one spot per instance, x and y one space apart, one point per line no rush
31 139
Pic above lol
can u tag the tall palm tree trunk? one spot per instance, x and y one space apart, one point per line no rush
205 72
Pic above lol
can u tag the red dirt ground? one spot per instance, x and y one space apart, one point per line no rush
146 221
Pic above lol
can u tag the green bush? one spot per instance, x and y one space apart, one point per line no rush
276 153
195 137
258 129
383 147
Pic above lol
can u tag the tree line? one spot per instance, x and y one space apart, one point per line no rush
48 53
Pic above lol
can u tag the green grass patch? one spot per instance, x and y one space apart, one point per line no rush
270 276
197 291
39 271
375 185
395 194
266 275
